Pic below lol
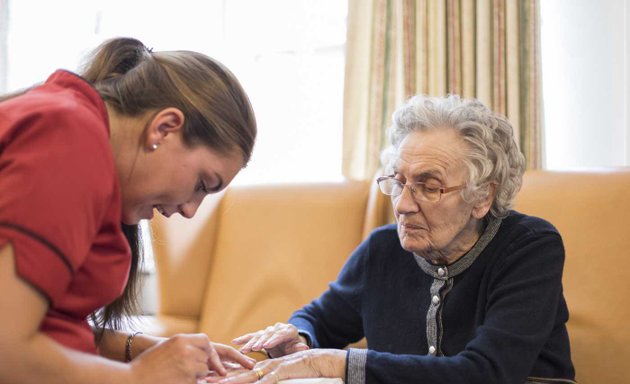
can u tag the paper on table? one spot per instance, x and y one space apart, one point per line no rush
311 381
321 380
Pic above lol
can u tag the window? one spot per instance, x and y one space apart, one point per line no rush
586 88
288 54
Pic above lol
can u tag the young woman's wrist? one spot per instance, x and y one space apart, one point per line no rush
141 342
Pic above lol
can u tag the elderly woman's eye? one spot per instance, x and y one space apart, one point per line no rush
431 187
396 186
431 191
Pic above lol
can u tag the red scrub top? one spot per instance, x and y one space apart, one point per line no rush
60 203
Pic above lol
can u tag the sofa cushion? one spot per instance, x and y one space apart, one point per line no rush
591 210
277 248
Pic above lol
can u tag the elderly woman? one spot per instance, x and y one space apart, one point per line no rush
461 289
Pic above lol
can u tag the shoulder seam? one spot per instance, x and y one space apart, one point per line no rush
42 240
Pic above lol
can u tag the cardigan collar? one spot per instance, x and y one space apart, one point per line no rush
444 272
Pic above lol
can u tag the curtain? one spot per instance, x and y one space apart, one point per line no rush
484 49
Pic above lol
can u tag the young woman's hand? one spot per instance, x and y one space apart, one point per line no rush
184 359
228 358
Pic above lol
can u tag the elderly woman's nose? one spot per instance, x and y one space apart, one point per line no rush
406 202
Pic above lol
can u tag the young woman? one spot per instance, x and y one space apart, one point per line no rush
137 132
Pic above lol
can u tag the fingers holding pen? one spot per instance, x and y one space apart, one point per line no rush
179 359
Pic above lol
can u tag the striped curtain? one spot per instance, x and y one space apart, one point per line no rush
485 49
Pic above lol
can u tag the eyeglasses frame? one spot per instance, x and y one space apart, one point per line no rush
413 189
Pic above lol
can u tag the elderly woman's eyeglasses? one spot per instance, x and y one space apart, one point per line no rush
426 191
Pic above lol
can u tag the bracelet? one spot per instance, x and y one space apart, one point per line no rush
128 345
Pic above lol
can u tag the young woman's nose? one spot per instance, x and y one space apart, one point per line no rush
189 208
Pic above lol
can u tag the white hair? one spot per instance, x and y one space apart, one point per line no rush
493 155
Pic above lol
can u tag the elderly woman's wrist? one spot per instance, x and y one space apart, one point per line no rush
330 362
342 358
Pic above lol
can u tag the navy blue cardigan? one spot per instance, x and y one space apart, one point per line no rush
501 319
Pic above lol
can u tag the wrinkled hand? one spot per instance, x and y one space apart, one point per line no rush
233 369
305 364
278 340
184 359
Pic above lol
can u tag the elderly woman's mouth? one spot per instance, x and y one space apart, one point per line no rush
411 227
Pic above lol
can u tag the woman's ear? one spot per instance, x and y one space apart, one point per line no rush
483 206
164 122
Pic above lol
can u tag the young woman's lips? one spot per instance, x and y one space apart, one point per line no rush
161 210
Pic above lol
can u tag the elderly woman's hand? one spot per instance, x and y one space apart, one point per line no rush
278 340
306 364
232 369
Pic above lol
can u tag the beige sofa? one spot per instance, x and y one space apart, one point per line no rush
254 254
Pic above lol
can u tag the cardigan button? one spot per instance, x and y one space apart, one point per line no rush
431 350
435 299
441 272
